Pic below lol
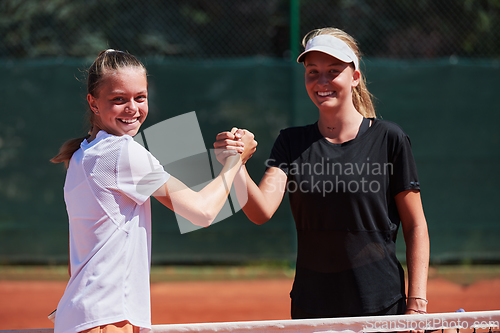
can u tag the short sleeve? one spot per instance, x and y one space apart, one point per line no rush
279 157
139 173
404 174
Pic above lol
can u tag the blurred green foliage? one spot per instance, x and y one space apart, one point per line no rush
242 28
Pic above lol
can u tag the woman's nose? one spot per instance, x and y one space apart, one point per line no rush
131 107
323 79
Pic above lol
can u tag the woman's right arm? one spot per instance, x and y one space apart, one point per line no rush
259 202
263 200
202 207
199 207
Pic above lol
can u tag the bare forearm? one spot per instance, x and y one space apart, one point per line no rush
417 259
212 197
417 248
259 202
255 207
201 207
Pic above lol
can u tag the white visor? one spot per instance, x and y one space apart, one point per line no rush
333 46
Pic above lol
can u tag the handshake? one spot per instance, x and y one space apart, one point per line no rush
189 162
237 141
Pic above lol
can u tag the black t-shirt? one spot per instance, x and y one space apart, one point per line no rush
342 200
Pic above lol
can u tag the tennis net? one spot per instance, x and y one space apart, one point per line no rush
461 322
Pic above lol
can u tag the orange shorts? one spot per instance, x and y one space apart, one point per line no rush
121 327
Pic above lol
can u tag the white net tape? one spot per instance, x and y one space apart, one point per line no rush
481 320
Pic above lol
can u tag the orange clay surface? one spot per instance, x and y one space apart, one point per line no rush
26 304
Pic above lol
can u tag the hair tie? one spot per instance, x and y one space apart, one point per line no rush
420 298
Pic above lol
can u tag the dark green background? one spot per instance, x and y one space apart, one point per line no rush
448 107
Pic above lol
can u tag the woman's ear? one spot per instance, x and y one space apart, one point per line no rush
356 77
92 103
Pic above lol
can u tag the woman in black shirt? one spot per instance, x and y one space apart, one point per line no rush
351 179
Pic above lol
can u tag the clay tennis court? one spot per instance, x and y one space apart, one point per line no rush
26 304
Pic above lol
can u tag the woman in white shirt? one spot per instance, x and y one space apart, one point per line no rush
109 180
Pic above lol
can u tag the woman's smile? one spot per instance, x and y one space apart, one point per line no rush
326 93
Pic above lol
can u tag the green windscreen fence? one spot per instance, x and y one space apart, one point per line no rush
448 107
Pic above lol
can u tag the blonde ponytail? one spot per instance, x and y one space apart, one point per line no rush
363 99
67 150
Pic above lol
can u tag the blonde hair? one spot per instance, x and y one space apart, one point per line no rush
361 97
107 60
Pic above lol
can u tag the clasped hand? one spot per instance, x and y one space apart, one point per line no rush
237 141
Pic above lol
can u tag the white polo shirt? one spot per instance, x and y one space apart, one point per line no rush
107 189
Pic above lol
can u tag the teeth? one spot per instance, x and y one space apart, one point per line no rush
128 121
325 93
